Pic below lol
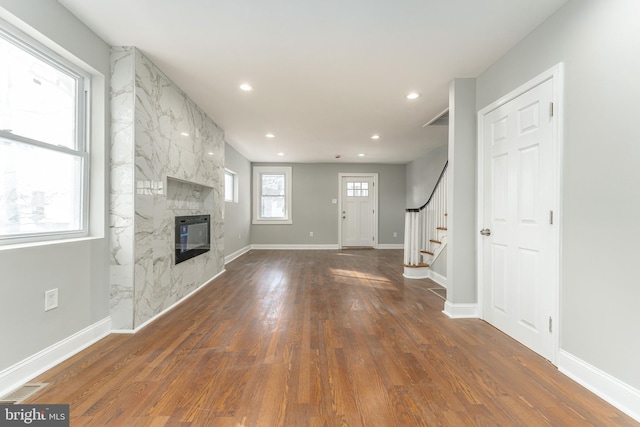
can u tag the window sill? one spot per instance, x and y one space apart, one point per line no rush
272 221
40 243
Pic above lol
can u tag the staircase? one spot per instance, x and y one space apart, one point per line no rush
425 234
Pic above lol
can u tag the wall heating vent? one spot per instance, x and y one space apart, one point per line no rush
21 394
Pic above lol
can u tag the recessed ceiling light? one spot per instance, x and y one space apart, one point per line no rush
210 153
246 87
270 135
361 155
413 95
376 136
184 133
280 154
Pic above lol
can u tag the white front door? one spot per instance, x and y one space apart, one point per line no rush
519 187
357 215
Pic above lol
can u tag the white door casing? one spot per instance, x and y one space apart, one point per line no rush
358 211
519 182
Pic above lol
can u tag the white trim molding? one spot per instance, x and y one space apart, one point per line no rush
292 247
236 254
460 311
611 389
29 368
391 246
416 272
438 278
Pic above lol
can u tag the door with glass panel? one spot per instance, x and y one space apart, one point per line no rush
358 213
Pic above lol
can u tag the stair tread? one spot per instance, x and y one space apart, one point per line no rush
421 265
436 241
426 252
441 228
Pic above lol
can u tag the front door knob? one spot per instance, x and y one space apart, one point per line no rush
485 232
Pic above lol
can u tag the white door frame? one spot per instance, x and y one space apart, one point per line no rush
556 74
373 175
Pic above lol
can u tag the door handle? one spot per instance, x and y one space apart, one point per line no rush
485 232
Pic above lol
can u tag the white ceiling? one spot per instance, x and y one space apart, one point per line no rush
327 74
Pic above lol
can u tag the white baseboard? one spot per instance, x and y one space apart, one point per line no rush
29 368
168 309
416 272
390 246
438 278
236 254
460 311
614 391
303 247
294 247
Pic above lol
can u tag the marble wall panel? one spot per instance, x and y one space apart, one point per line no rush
122 245
163 113
159 135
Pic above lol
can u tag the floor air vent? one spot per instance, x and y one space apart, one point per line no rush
21 394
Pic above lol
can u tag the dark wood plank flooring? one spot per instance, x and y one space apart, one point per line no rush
317 338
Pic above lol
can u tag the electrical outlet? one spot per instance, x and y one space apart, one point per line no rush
239 236
395 234
51 299
311 234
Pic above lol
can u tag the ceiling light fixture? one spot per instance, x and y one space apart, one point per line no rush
376 136
280 154
413 95
184 133
270 135
361 155
246 87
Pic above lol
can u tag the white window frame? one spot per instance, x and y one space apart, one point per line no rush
234 190
81 150
258 171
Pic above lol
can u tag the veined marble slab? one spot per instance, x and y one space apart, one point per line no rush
168 160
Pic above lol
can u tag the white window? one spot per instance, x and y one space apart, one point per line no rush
357 189
230 186
43 148
272 195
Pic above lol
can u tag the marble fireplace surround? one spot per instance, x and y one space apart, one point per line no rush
167 160
189 196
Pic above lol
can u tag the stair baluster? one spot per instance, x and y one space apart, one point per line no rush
425 229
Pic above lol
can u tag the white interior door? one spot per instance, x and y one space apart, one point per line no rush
358 214
519 285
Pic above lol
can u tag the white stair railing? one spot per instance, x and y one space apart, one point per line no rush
424 226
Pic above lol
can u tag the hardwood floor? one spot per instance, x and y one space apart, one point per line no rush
317 338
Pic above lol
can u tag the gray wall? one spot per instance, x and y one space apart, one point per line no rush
422 175
78 269
314 185
237 216
461 194
599 43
